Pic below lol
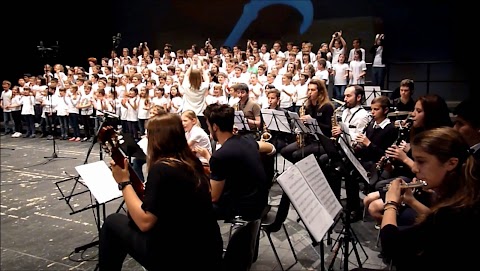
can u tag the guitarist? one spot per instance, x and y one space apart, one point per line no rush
178 190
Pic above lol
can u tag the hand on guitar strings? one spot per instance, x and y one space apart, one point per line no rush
120 174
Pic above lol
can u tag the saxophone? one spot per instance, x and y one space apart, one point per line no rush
300 136
335 117
266 136
235 107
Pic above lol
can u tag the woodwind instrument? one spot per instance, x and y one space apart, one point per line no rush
335 117
300 136
403 132
235 107
355 144
266 136
420 183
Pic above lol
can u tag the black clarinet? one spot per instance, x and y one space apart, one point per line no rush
403 133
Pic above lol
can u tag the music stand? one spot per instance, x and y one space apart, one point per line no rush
373 92
240 121
276 120
347 234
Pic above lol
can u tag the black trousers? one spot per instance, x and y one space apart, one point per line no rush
118 237
293 153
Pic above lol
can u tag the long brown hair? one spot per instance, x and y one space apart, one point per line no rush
323 97
167 144
461 187
195 79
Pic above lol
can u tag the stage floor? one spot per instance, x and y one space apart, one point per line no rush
39 231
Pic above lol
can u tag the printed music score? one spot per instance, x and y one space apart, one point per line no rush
351 156
99 180
311 195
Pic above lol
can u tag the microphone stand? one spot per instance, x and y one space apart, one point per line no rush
52 125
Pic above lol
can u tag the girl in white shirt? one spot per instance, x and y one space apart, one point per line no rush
195 135
15 108
143 109
132 112
176 100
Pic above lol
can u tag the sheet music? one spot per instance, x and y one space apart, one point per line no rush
313 214
351 156
317 181
99 180
276 120
240 121
143 143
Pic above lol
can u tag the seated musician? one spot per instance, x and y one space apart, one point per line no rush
137 163
443 160
431 111
238 181
279 139
379 135
251 110
319 107
405 102
176 209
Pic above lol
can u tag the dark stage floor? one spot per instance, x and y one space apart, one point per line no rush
38 231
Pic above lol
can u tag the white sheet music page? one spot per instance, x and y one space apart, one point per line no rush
317 181
282 121
346 149
98 178
309 208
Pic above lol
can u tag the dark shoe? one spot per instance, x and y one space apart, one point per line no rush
32 136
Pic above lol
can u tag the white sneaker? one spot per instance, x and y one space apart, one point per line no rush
17 134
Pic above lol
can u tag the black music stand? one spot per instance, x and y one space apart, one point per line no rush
69 195
241 122
276 120
299 127
350 171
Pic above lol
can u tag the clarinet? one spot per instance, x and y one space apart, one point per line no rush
402 135
371 119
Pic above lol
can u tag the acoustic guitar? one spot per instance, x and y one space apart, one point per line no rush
111 142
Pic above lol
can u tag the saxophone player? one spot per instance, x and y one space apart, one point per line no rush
279 139
251 110
354 116
318 106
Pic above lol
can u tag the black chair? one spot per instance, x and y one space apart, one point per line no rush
273 221
239 255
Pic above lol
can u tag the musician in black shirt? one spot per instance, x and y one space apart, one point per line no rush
378 136
238 180
176 209
405 102
318 106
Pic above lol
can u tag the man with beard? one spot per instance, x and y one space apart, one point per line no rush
238 181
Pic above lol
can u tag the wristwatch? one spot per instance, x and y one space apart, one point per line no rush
122 185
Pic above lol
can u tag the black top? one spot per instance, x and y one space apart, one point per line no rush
380 140
409 106
444 241
323 115
245 191
185 216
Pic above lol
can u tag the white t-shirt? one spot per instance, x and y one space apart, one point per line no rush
200 137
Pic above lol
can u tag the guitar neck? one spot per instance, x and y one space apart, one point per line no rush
137 184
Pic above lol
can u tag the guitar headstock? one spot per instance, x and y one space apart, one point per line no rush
109 139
